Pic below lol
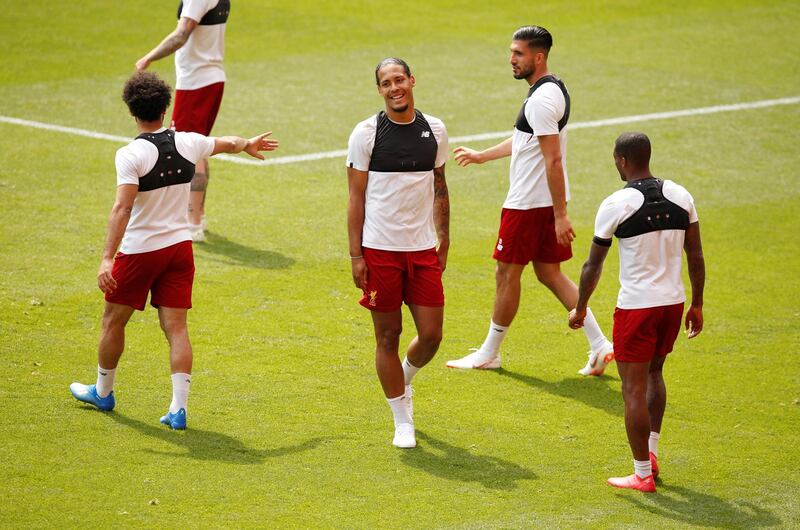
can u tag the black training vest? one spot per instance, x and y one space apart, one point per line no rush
171 168
216 15
403 148
656 213
522 122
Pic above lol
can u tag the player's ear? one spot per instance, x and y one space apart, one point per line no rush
413 81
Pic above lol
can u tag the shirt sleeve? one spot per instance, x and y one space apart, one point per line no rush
443 150
127 167
545 108
197 9
197 146
692 210
359 146
606 221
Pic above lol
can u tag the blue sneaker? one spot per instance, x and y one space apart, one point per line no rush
176 421
88 394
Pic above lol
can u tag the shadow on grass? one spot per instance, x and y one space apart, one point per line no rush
252 257
209 445
447 461
586 390
701 509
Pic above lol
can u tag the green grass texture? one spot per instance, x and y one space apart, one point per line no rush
288 426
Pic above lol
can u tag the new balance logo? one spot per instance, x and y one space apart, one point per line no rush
425 134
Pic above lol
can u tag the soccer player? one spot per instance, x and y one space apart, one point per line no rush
198 43
398 219
654 221
534 226
149 219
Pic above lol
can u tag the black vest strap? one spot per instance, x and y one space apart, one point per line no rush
656 213
522 122
171 168
403 148
217 15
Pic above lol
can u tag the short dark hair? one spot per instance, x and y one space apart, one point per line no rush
536 36
634 147
391 60
146 95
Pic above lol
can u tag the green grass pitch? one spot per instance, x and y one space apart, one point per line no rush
288 427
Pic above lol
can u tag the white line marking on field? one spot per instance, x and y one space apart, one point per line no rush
291 159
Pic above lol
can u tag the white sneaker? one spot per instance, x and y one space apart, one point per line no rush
404 436
410 402
477 359
198 236
598 360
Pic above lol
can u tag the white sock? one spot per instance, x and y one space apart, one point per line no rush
180 391
409 371
491 346
105 381
593 333
399 410
653 442
642 468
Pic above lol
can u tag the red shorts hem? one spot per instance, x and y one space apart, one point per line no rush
641 334
196 110
527 236
394 278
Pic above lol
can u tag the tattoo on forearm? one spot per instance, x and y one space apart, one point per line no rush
199 182
169 46
441 204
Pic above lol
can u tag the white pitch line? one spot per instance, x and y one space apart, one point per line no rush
291 159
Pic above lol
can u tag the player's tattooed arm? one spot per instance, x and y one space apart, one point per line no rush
441 214
171 43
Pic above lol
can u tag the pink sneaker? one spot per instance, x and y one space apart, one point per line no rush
633 482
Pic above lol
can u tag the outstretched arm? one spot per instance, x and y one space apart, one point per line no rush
697 276
253 146
171 43
466 156
357 184
590 276
117 222
551 150
441 214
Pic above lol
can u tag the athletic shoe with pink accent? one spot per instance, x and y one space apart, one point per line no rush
476 359
598 360
633 482
654 464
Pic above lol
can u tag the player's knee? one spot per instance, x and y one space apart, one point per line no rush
548 278
431 337
504 276
388 338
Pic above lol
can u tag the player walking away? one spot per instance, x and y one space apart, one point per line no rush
199 45
653 219
149 218
398 220
534 226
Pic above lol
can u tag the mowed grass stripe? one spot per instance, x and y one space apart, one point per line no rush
292 159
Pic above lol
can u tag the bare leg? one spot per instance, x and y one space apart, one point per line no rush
388 327
173 322
550 275
197 195
637 418
112 336
507 294
423 347
656 393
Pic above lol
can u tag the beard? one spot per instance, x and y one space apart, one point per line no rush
401 108
524 73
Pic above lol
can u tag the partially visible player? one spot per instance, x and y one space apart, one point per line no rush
654 220
398 220
534 226
198 43
149 219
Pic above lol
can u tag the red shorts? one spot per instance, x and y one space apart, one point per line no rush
196 110
529 235
167 272
396 277
639 334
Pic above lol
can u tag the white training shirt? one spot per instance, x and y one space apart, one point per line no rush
649 264
398 214
198 63
159 217
527 173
